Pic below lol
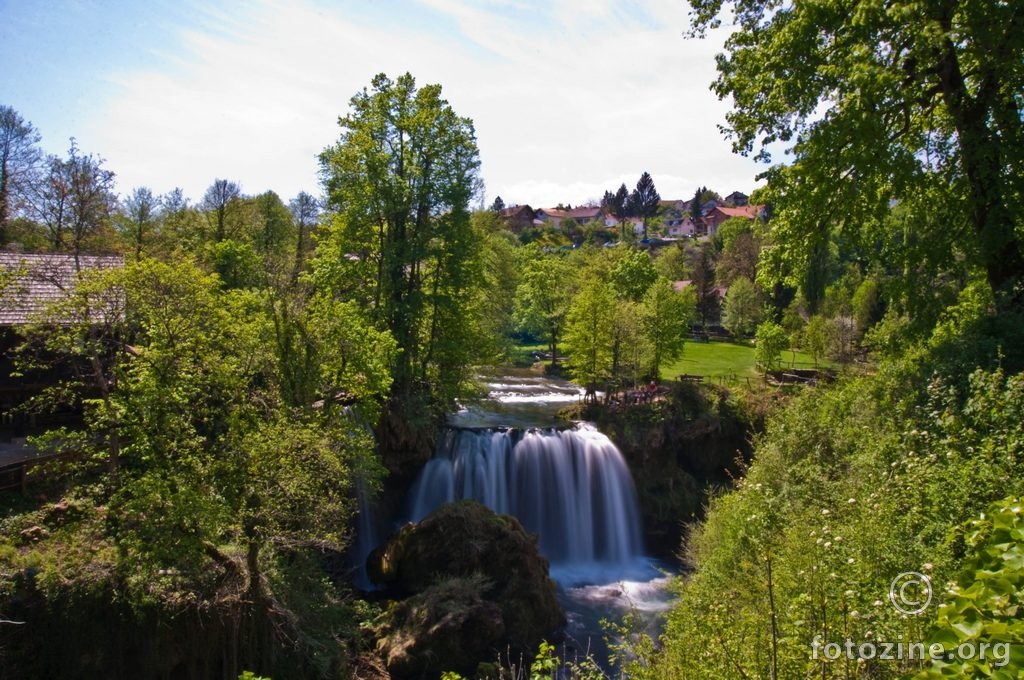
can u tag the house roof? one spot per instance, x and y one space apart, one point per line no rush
40 279
749 212
575 213
517 211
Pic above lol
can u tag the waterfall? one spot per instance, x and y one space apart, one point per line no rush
571 487
367 535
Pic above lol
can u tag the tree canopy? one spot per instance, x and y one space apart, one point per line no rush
908 102
399 183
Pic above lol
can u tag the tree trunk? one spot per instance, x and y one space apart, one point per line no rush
983 165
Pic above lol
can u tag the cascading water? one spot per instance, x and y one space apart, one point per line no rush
571 487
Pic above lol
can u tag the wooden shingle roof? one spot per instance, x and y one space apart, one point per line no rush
30 282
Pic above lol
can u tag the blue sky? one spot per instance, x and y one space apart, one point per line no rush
569 98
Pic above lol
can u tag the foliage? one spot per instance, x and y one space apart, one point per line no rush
212 469
983 606
665 320
908 102
588 333
219 199
633 273
771 341
544 295
741 309
644 201
740 251
20 157
76 200
703 281
815 337
851 486
399 183
673 263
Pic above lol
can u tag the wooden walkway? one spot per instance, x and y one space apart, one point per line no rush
17 458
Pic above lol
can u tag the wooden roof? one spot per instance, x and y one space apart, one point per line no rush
30 282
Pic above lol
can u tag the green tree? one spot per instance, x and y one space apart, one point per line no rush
866 305
695 204
666 317
218 200
673 263
741 309
496 297
740 251
77 200
771 341
20 158
399 183
908 102
615 205
543 297
703 281
588 334
214 473
140 213
815 337
305 210
629 343
633 273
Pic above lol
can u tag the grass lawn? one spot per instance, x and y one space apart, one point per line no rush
710 359
716 358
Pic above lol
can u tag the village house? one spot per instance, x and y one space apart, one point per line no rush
714 218
553 217
736 199
29 284
517 218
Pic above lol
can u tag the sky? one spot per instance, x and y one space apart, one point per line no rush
569 98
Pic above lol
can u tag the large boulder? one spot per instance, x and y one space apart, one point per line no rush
475 585
449 626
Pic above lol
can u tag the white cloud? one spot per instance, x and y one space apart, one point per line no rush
566 103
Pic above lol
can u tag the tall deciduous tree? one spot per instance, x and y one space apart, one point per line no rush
399 183
633 273
140 211
305 213
741 309
902 101
543 297
666 317
76 199
588 334
218 198
20 158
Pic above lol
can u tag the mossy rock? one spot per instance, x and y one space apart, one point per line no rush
466 540
449 626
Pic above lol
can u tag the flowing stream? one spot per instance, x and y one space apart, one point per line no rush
567 483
